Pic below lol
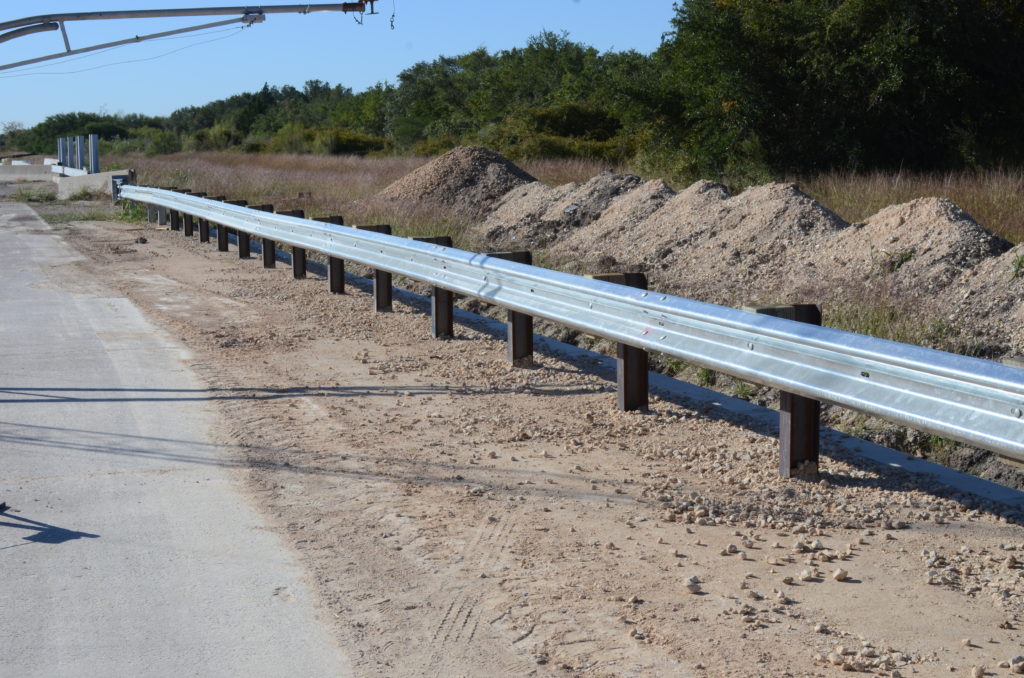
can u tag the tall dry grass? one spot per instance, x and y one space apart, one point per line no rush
995 198
323 185
326 185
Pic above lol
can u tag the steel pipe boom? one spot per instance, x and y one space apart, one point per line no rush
198 11
975 401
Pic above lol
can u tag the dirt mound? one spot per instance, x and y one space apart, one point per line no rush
708 245
618 222
541 217
925 243
991 298
468 179
517 214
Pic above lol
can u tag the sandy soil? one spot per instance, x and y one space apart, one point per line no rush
462 517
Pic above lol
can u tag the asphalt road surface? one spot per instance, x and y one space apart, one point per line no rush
129 548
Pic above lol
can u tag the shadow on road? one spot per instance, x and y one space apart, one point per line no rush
42 533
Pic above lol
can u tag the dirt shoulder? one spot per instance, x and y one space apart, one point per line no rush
461 517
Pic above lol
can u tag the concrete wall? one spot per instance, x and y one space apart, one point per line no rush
28 172
98 183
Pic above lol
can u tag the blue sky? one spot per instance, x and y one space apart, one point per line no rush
160 76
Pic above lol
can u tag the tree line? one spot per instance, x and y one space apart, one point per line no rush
739 90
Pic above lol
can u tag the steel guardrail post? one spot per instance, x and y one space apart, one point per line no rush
442 301
631 363
204 224
241 236
298 253
799 417
382 280
520 325
189 220
269 247
163 213
335 266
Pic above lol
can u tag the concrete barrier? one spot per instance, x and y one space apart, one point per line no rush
96 183
26 172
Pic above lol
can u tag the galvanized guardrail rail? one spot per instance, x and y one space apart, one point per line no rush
974 401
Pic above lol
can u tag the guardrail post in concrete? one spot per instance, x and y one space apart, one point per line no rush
630 361
799 417
442 324
382 286
335 266
520 325
298 253
269 246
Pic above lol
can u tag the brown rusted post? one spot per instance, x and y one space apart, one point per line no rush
269 246
630 361
189 220
382 287
442 321
222 238
241 237
335 266
298 253
799 416
204 224
520 325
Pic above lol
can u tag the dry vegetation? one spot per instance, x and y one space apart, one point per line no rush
319 184
995 198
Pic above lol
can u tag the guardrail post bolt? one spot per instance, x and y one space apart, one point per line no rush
799 416
520 325
442 325
382 286
630 362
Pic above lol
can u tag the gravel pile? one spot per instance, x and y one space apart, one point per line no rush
770 243
468 179
543 218
925 243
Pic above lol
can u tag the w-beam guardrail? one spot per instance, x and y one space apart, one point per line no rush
974 401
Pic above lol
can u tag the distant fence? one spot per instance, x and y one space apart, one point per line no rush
974 401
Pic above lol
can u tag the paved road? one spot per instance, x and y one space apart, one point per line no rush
129 550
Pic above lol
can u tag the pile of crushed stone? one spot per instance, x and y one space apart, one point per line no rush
540 216
468 180
768 244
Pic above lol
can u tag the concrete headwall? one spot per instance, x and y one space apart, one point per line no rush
96 183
